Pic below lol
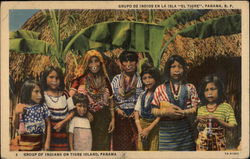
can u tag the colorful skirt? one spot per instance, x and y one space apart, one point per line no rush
213 142
125 135
82 139
30 142
99 126
176 136
152 141
59 140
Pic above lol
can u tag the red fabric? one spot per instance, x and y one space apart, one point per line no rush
125 134
80 81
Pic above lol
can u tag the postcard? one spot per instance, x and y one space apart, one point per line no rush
125 79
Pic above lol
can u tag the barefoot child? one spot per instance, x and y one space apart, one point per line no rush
213 116
33 118
52 81
80 136
146 122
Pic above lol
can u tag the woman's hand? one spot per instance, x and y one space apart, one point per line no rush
58 126
121 113
173 112
139 130
145 132
132 115
202 119
111 126
90 117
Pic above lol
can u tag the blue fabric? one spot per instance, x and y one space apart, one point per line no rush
181 102
128 103
176 136
146 111
34 118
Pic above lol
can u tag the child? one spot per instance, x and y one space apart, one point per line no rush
175 102
33 114
147 123
52 81
80 136
213 116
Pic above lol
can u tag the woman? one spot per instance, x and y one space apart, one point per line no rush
175 101
127 87
92 80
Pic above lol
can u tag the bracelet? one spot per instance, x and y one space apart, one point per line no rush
137 121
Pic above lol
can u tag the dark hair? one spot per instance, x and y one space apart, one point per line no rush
154 72
80 98
46 72
128 56
218 83
168 64
26 92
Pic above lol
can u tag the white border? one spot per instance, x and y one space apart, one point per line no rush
6 6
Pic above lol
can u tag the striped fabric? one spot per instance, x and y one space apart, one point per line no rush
59 111
30 142
57 106
224 112
130 102
176 136
59 140
161 95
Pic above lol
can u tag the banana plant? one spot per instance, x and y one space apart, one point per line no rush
226 25
133 36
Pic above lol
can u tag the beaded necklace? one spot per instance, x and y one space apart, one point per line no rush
176 93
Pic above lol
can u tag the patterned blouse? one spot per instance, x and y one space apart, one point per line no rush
160 94
34 118
128 103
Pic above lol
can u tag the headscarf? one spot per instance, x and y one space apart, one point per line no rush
82 68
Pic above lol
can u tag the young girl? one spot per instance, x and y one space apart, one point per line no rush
213 116
53 84
175 102
34 114
146 122
80 136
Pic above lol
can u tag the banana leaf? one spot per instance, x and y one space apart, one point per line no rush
31 46
226 25
132 36
182 17
25 34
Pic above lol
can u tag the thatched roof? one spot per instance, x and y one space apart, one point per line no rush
194 50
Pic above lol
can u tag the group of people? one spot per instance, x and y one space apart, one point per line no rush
132 112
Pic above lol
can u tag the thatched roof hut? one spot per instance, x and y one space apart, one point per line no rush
216 54
193 50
